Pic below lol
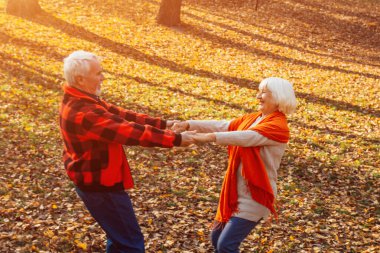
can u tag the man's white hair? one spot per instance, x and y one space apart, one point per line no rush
283 93
77 64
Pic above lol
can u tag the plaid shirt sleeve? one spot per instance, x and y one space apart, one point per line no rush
100 124
139 118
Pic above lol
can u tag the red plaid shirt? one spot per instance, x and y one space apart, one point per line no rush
94 131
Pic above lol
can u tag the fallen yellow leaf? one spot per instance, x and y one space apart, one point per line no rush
81 245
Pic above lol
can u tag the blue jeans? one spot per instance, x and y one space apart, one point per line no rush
227 237
114 213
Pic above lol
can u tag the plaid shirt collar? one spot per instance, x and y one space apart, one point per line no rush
73 91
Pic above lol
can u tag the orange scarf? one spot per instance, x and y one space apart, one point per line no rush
274 127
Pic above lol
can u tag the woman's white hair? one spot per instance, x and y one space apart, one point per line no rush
283 93
77 64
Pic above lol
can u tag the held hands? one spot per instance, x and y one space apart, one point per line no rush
192 137
170 123
180 126
188 138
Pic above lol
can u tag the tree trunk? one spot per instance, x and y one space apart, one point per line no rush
169 13
23 8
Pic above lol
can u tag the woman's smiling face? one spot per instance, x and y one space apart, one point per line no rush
267 103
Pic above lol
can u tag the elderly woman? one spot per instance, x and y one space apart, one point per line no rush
256 143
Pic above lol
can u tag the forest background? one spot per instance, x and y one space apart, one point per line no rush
209 67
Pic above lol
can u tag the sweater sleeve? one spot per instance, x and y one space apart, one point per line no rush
140 118
99 124
246 138
208 126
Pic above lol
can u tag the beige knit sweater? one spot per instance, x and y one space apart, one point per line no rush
271 153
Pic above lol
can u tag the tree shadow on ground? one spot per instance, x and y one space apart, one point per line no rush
17 68
199 32
340 105
342 29
186 93
38 48
347 11
49 20
327 130
259 37
326 30
196 6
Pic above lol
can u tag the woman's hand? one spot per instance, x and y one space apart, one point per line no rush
188 138
170 123
200 138
180 126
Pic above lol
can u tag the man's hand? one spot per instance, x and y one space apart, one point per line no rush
188 138
170 123
180 126
204 138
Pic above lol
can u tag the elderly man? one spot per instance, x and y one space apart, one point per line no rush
94 133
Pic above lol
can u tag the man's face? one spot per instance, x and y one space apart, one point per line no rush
92 80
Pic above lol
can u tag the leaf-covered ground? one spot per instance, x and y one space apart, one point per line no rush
208 68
